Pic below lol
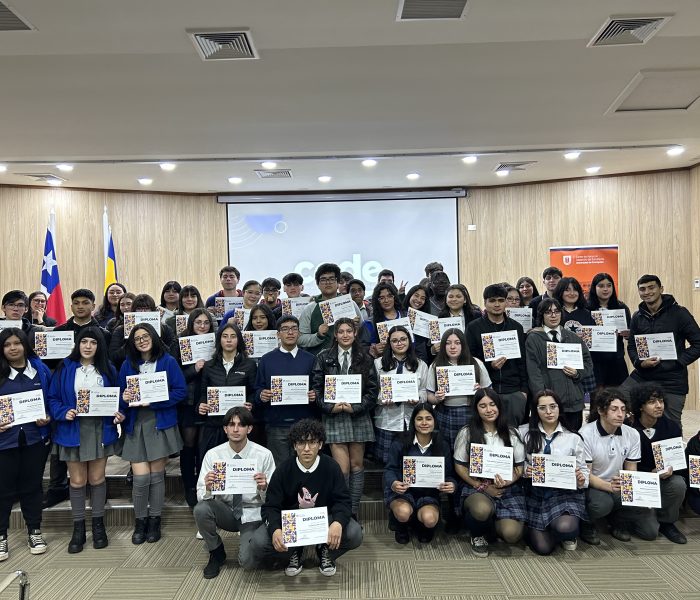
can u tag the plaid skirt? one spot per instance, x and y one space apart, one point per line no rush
450 419
511 505
414 498
342 428
545 504
383 440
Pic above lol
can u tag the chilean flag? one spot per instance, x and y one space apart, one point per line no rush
50 282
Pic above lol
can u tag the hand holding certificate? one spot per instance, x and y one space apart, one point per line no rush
147 388
224 304
343 389
669 453
640 489
553 471
305 527
599 338
53 344
440 326
235 476
384 327
294 306
131 319
23 407
337 308
521 315
258 343
564 355
656 345
289 390
420 322
487 462
221 399
500 344
424 471
194 348
97 402
456 380
611 318
399 388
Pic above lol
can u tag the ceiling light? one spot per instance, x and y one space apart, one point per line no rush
64 167
3 168
369 162
235 180
412 176
675 150
469 160
145 180
592 170
268 164
324 178
573 155
168 166
503 172
53 181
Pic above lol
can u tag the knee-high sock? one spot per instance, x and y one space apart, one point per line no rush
77 502
139 493
98 496
157 495
357 486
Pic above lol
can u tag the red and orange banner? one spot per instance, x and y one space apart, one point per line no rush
584 262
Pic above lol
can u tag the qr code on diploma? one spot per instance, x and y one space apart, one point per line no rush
385 388
329 391
180 324
658 457
129 322
286 308
7 414
642 347
276 389
476 459
586 334
185 350
626 487
434 330
289 528
489 348
327 314
409 471
551 354
82 403
40 344
694 470
597 317
133 386
249 342
442 378
213 399
382 332
537 469
219 471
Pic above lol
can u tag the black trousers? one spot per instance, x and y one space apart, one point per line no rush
22 470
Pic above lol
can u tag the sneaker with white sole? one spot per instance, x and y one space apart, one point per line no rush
36 542
4 548
569 545
480 547
294 566
198 535
326 564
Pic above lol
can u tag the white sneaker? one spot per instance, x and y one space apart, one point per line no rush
569 545
199 535
4 548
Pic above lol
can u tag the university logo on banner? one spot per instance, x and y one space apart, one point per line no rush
584 262
567 259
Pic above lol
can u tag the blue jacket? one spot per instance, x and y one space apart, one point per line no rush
166 412
62 399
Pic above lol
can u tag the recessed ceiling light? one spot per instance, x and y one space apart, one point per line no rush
369 162
675 150
268 164
54 181
64 167
145 180
592 170
503 172
573 155
3 168
234 180
168 166
413 176
469 160
324 178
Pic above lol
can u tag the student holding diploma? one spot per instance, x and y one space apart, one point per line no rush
150 430
169 299
662 453
348 425
24 445
417 299
261 319
232 510
419 506
567 381
501 498
610 367
458 303
392 418
528 290
611 446
452 410
386 306
124 306
692 456
252 292
85 442
190 299
309 481
553 513
199 322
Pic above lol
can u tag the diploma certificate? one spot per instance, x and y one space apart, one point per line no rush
258 343
343 388
131 319
640 489
180 324
521 315
54 344
241 316
97 402
23 407
599 338
424 471
10 324
564 355
669 453
220 399
439 327
487 462
224 304
294 306
234 476
420 322
456 381
399 388
194 348
148 388
611 318
305 527
656 345
554 471
500 344
337 308
384 327
289 389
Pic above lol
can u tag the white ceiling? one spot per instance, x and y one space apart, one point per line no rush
121 81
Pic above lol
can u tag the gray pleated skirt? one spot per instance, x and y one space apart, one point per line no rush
146 443
91 447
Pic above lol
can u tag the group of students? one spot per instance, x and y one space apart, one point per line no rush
518 403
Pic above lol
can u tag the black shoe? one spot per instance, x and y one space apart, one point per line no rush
670 531
402 535
54 496
424 534
589 534
153 534
620 533
99 533
326 564
453 525
139 535
191 497
78 540
393 522
217 558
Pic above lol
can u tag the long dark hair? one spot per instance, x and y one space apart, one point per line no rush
105 308
467 309
602 399
521 280
189 290
477 433
377 310
240 348
6 334
189 330
594 301
388 360
267 311
563 284
535 438
361 361
170 285
435 437
158 349
465 357
101 360
118 314
412 291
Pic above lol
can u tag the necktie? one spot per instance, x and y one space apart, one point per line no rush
554 335
346 363
399 366
237 501
548 450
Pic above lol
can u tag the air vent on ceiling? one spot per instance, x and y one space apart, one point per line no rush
43 177
623 31
223 44
11 21
514 166
274 173
423 10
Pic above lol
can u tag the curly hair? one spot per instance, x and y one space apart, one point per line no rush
307 430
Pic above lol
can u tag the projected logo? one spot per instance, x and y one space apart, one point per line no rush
245 230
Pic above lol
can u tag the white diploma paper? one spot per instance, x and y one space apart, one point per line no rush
23 407
241 316
500 344
258 343
423 471
289 389
487 462
640 489
54 344
455 381
399 388
522 315
223 304
97 402
439 327
132 319
599 338
294 306
234 476
343 388
420 322
564 355
384 327
656 345
194 348
669 453
305 527
554 471
611 318
220 399
180 324
148 388
337 308
10 324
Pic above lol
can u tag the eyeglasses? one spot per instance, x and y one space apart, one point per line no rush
39 300
401 340
292 329
307 444
141 338
548 408
554 311
17 305
327 279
